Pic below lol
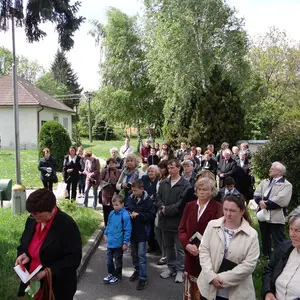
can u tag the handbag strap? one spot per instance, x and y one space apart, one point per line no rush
47 291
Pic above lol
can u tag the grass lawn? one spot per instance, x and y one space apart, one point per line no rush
29 161
11 228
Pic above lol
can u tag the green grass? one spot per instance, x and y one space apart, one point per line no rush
29 161
11 228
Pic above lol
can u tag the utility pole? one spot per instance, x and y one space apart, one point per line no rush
90 117
16 105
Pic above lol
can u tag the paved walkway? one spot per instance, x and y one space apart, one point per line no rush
91 286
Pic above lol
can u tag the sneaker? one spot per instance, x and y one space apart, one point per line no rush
134 276
107 278
179 277
79 196
114 280
166 274
162 261
141 284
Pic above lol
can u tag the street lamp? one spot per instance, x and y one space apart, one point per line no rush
89 96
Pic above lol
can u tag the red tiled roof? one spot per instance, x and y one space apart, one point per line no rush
28 95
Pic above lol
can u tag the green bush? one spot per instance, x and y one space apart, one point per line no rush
283 146
101 131
55 137
11 228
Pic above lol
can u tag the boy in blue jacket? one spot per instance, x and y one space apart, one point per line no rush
117 234
142 211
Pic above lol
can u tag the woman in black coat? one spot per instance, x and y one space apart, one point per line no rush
48 166
50 238
71 169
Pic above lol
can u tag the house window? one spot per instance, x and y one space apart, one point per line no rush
43 122
55 118
66 123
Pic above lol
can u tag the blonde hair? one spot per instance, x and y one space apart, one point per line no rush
132 157
207 182
205 174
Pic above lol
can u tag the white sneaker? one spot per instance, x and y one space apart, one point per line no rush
166 274
179 277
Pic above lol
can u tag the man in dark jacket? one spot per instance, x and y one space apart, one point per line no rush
226 167
142 212
170 202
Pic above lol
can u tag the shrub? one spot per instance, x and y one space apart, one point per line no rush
283 146
101 131
55 137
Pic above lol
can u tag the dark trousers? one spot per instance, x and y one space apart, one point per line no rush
152 243
48 185
106 211
72 185
81 183
271 232
114 261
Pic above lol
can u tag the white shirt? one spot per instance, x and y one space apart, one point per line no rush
72 159
125 150
287 283
200 213
173 182
271 184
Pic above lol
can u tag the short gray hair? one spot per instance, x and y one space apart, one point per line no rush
155 168
187 163
294 216
279 166
227 151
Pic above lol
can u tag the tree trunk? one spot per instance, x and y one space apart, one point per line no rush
138 127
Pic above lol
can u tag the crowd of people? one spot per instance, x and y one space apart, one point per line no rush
193 209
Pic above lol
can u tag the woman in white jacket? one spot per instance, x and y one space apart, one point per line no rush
229 252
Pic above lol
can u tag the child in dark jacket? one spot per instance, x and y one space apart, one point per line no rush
117 234
152 158
142 211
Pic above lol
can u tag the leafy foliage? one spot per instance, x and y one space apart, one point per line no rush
101 130
60 12
274 85
188 41
55 137
27 69
127 94
49 85
283 146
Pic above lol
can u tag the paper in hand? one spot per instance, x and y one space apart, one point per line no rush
24 275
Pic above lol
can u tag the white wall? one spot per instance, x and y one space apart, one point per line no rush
27 128
48 114
28 125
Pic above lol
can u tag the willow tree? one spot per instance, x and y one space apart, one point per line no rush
126 94
189 40
60 12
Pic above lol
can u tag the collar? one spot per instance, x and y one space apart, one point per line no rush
245 226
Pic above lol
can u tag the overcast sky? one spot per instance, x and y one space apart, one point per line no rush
259 15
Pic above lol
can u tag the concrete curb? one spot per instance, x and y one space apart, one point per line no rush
89 249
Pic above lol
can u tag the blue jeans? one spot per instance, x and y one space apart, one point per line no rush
139 259
114 261
86 195
81 183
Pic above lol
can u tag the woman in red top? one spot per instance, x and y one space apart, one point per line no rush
51 238
195 218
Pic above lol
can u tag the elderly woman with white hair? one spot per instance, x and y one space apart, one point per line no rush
282 273
115 155
274 195
188 172
150 180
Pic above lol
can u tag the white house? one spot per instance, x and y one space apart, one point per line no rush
35 108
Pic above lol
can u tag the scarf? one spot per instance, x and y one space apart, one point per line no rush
133 176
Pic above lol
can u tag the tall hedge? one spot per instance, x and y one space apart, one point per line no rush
55 137
283 146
